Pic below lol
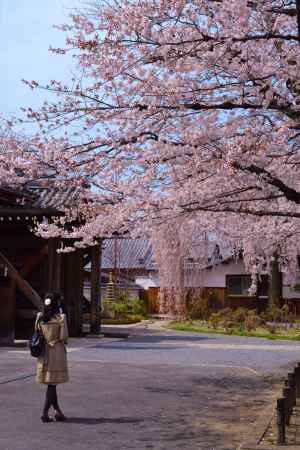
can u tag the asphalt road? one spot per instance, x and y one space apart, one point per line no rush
158 390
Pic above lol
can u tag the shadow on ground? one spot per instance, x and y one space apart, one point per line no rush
102 420
155 339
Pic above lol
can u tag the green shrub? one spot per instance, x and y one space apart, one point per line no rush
225 315
239 316
122 296
119 310
215 320
136 307
226 312
285 310
274 314
199 309
271 327
228 325
252 322
221 318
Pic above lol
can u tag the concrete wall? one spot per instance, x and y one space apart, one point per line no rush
289 292
216 276
212 277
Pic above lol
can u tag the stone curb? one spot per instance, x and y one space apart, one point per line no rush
255 435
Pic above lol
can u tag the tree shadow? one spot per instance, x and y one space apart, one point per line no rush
172 338
139 340
160 335
102 420
136 346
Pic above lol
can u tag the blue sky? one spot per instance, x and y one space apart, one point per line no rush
26 31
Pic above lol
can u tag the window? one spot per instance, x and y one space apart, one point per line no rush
238 284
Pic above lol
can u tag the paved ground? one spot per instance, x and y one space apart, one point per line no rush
157 390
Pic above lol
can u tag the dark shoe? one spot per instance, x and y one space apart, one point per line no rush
59 416
46 418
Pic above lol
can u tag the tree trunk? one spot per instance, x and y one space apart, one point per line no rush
275 284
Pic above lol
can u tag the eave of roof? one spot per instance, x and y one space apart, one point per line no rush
32 212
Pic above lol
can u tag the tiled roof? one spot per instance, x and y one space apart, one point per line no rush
55 198
127 254
38 197
138 254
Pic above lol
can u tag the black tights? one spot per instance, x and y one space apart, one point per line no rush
51 398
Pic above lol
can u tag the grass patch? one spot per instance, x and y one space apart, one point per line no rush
198 327
123 321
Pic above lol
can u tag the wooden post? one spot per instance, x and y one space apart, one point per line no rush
78 294
73 290
95 289
55 266
292 385
286 392
281 420
297 378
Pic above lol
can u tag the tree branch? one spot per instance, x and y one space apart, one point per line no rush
290 193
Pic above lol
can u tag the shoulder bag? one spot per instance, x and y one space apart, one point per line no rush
37 343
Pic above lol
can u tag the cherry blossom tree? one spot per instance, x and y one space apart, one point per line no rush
181 112
20 159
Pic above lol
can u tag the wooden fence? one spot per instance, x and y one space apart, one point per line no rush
220 299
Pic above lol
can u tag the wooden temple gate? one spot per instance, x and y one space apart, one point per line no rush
30 267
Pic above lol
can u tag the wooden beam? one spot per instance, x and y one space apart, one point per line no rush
18 240
22 284
29 212
33 261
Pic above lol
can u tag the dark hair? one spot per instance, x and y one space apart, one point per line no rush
51 310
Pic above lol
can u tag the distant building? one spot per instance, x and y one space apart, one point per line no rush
129 262
132 263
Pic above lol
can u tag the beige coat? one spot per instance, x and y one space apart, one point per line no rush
52 367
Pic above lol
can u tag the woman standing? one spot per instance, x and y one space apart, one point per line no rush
52 368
